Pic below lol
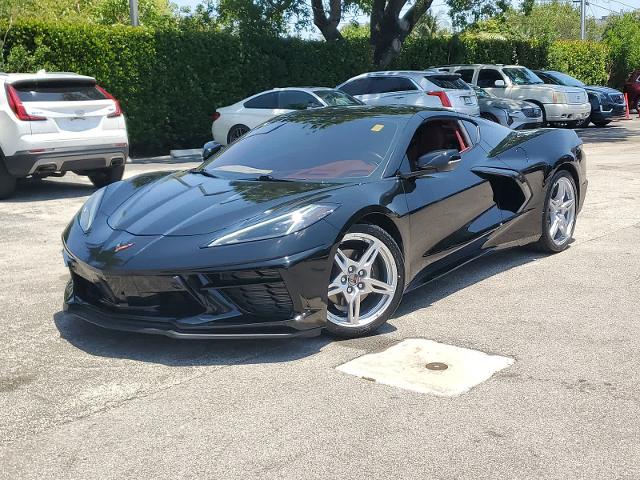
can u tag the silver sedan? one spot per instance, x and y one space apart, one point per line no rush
515 114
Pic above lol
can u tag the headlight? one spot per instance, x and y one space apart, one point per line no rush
559 97
278 226
89 210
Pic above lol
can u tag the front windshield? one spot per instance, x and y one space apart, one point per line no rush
336 98
522 76
482 93
317 146
565 79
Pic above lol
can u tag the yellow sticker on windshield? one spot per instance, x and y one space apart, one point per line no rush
377 127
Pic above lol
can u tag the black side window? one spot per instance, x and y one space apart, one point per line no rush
297 100
390 84
546 78
466 74
358 86
487 77
268 100
472 131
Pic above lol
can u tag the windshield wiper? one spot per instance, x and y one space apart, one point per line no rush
203 172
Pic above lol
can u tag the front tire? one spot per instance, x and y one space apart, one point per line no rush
103 177
559 214
584 123
7 181
366 283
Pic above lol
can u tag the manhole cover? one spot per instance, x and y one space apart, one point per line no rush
411 364
436 366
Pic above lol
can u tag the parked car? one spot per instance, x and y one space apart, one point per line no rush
318 219
607 104
560 105
515 114
52 123
423 88
232 122
632 89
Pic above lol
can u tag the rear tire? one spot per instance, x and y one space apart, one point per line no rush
603 123
106 176
236 132
366 282
561 206
7 181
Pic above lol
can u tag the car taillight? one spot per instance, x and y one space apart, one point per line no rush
118 111
17 106
215 116
442 95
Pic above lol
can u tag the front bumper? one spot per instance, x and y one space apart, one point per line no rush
42 163
612 111
284 298
564 112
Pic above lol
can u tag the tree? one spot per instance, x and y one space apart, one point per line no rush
556 20
388 26
464 13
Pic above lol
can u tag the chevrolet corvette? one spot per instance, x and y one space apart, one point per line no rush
317 219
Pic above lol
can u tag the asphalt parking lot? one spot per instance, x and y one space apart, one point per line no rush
80 402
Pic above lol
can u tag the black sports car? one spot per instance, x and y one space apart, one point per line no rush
317 219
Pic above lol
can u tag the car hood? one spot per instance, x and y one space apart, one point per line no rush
184 203
605 90
504 103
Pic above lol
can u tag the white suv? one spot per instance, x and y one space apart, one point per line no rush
427 88
560 104
52 123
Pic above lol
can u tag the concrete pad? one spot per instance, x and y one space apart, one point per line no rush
425 366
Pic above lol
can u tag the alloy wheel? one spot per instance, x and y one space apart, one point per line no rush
364 281
562 211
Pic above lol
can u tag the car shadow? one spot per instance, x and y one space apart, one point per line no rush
33 190
167 351
610 133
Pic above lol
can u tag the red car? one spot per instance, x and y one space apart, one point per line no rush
632 89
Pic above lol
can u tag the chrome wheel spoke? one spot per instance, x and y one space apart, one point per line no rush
378 286
554 227
354 309
342 261
370 255
567 204
336 286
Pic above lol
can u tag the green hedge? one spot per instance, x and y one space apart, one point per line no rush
170 81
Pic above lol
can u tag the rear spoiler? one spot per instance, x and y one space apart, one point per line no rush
53 82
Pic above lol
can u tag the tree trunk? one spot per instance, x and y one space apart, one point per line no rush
328 25
389 30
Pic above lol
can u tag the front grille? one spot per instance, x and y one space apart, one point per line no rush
617 98
532 112
141 296
255 292
259 293
576 98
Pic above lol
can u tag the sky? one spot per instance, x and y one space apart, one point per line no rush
595 8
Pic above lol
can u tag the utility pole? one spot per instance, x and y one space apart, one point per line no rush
583 13
133 12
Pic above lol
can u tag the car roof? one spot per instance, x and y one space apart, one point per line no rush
476 65
398 73
42 75
363 111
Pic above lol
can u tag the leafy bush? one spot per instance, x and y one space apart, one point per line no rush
622 36
587 61
170 81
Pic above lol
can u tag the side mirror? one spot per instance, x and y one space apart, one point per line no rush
499 84
210 148
439 160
